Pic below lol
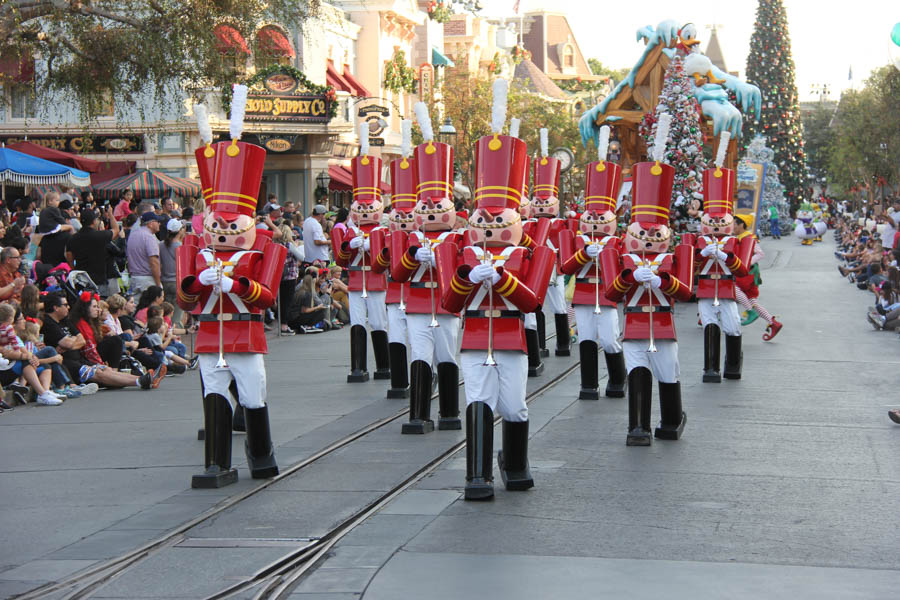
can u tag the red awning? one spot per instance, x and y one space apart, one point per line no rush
341 179
57 156
20 70
336 81
272 41
230 40
113 169
361 90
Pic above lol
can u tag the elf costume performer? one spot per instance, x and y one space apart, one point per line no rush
234 278
433 331
747 291
496 281
596 317
722 258
400 223
356 250
649 280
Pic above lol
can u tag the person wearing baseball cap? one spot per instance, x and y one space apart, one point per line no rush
315 244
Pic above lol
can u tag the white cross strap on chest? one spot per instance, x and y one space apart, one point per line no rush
498 261
711 260
420 272
653 266
227 270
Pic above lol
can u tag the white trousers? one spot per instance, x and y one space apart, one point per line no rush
246 368
663 363
555 301
397 330
602 328
433 344
725 315
372 309
501 387
530 321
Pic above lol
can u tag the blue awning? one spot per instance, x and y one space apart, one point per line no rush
439 60
31 170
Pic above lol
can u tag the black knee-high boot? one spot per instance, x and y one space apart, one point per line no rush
672 418
513 459
535 366
562 335
382 356
448 395
542 334
616 374
711 343
217 444
419 399
734 357
587 350
399 371
358 351
640 389
237 423
258 445
479 452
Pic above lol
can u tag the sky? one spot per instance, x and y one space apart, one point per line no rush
826 39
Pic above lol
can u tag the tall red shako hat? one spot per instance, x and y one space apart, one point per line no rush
603 179
238 167
501 162
403 173
366 171
546 171
719 184
434 161
652 181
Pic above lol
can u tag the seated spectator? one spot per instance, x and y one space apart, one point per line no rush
152 296
324 288
340 293
159 339
168 312
306 308
29 334
11 280
30 302
22 363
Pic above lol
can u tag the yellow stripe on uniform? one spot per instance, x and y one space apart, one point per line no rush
512 283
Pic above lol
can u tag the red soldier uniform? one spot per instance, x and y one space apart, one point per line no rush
596 316
356 251
648 282
495 281
722 257
243 263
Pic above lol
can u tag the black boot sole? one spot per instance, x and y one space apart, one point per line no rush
417 427
397 393
214 479
544 353
586 394
732 375
638 437
383 374
671 432
712 378
536 371
563 352
479 490
615 391
514 481
357 377
449 423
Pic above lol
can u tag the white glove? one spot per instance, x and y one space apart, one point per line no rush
366 244
356 242
209 276
592 250
424 255
721 255
484 272
643 274
227 283
708 249
655 281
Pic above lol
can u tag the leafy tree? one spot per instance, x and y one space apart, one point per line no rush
96 49
818 138
597 68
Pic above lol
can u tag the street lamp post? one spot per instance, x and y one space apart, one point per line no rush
323 180
447 133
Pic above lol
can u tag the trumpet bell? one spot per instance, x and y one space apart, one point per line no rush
434 323
221 364
489 360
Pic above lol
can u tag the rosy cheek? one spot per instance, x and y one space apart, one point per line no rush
239 241
207 239
634 245
506 236
445 218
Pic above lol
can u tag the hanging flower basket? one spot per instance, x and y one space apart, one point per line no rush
519 54
399 76
439 12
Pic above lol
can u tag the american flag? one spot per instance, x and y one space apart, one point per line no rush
516 7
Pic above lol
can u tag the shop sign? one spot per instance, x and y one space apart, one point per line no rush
376 117
426 81
85 144
277 143
309 108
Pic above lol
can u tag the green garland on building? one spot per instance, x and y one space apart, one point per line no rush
302 82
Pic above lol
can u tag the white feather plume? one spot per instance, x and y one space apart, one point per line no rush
545 141
662 134
498 110
238 106
603 143
202 116
514 125
363 138
405 137
724 138
424 121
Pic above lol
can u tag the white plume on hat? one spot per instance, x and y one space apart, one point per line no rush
364 138
603 143
238 107
514 125
498 110
545 141
662 135
405 137
202 116
724 138
424 121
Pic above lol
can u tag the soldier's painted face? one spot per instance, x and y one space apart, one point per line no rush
368 213
719 225
597 223
435 214
401 220
502 229
525 208
647 237
227 231
545 207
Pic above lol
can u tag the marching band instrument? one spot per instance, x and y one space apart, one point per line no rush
362 259
489 360
597 309
431 285
716 277
648 287
221 364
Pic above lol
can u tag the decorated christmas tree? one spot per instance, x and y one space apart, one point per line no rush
773 191
770 67
685 148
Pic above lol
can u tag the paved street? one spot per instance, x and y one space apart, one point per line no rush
785 484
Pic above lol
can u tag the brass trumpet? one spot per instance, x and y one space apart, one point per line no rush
716 277
221 364
649 288
431 284
489 360
597 309
362 258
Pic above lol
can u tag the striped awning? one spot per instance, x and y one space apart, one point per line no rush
147 184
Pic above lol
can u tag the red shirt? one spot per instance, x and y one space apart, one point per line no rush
90 343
